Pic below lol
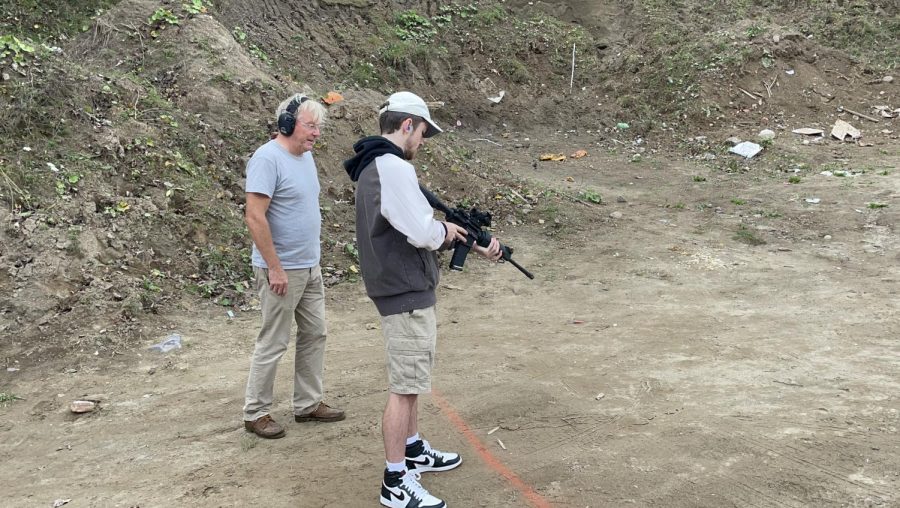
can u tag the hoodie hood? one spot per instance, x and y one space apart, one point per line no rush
367 149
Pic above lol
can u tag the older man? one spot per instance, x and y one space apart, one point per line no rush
283 217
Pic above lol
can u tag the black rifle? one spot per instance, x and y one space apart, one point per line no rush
472 221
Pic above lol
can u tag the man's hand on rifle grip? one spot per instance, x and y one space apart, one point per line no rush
454 233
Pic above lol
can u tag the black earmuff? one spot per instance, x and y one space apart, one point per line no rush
287 120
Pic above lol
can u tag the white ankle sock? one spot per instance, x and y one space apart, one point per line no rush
412 439
395 467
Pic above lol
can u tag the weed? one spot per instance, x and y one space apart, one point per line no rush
73 246
351 250
876 206
738 201
747 236
162 17
794 179
490 16
753 31
412 26
16 49
698 178
195 7
590 195
6 398
363 73
514 69
241 36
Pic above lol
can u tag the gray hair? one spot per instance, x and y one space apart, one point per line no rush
314 107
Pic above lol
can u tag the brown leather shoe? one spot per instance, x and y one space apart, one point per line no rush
265 427
323 413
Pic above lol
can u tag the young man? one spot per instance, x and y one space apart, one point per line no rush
397 237
283 216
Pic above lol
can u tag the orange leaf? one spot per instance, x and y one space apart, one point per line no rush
332 97
579 154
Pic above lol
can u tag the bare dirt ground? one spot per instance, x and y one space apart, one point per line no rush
654 361
716 333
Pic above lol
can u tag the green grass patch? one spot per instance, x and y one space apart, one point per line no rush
746 236
7 398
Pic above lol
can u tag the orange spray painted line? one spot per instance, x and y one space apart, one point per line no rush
528 492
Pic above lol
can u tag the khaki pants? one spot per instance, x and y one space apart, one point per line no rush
304 303
410 339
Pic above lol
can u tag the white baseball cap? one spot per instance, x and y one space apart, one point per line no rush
408 102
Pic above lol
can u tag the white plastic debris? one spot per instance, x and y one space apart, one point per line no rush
747 149
82 406
498 98
813 200
808 131
173 341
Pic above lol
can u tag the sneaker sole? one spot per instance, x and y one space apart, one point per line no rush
436 469
387 503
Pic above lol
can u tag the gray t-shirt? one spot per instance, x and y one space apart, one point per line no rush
294 217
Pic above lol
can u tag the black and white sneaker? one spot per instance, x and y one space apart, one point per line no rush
421 457
402 490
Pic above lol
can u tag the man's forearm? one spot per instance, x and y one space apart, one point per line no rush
262 237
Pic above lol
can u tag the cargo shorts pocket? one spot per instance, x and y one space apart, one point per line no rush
410 344
410 371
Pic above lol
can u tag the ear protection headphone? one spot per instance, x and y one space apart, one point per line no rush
287 120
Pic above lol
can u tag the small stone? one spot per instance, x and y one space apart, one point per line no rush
616 215
766 134
6 77
621 199
826 237
886 79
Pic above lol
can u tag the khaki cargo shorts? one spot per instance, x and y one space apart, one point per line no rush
409 341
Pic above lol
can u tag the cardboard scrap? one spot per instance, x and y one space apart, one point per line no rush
553 157
842 129
808 131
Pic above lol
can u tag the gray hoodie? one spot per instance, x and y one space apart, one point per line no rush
396 232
